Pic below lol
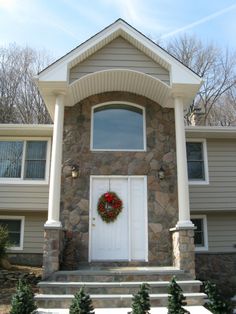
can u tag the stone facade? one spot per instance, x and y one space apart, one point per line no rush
184 250
162 194
218 268
53 240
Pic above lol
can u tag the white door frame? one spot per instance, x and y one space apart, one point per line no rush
129 222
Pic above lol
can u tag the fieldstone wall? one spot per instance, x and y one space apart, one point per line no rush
162 195
219 268
184 250
52 250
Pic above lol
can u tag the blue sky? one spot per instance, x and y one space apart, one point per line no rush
60 25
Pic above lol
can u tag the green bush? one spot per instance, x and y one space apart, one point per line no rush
141 300
216 303
176 299
4 241
23 300
81 304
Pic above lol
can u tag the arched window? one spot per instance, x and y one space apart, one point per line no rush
118 126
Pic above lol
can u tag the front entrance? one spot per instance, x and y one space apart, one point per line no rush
125 239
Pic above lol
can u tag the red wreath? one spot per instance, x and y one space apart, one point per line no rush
109 206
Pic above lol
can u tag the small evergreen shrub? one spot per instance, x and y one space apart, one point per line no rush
176 299
81 304
216 303
141 300
4 241
23 300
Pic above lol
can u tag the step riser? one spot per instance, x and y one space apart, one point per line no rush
117 278
112 290
113 303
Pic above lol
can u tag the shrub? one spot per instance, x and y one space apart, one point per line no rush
81 304
141 300
216 303
176 299
23 300
4 241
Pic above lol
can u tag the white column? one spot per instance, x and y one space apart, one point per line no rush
182 174
56 160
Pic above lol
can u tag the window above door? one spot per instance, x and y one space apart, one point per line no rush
118 126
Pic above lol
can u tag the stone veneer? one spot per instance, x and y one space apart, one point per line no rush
184 250
219 268
162 195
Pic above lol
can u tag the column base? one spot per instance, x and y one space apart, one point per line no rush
51 250
184 249
184 224
53 224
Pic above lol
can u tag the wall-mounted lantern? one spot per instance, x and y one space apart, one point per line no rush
161 173
74 171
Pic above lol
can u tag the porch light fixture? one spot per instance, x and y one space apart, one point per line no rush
74 171
161 173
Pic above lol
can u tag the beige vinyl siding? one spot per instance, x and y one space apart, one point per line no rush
24 197
119 54
33 231
220 193
221 232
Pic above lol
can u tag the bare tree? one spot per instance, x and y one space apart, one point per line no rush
217 67
20 101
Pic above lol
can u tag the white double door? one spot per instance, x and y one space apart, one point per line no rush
126 237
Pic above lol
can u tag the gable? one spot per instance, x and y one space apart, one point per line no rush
119 54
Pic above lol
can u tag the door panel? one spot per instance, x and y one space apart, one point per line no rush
126 237
138 219
109 240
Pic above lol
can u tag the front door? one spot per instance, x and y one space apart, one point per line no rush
125 238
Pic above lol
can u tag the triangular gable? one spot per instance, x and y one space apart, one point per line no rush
119 54
179 72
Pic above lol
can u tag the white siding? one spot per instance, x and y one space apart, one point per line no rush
119 54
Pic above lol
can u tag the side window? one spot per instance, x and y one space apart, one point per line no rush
24 160
200 233
197 161
15 227
118 126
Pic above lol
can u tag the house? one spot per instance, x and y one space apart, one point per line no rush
117 102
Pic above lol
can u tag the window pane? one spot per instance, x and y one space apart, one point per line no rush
195 161
14 229
118 127
196 170
198 232
10 159
194 151
35 160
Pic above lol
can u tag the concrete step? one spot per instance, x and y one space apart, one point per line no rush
48 301
130 287
120 274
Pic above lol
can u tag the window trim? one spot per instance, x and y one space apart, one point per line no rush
118 150
205 161
205 233
21 180
22 218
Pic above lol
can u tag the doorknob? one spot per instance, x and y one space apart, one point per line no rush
94 218
93 225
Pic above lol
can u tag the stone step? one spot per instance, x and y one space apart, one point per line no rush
120 274
111 300
130 287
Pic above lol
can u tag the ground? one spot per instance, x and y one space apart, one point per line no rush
9 287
